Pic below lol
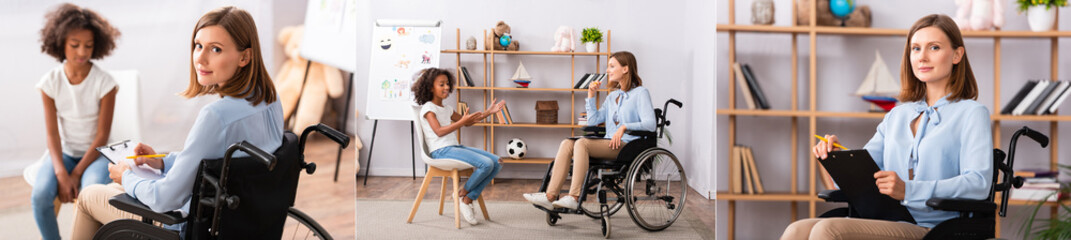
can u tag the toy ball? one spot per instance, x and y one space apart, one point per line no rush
841 8
504 40
516 148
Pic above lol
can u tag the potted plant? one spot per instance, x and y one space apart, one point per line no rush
1054 227
1040 14
591 37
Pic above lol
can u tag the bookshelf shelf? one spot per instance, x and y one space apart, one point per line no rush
487 89
810 113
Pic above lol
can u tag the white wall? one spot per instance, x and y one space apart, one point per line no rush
842 63
155 41
672 50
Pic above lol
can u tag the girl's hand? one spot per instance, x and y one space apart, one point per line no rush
66 189
822 149
890 184
115 172
594 86
615 142
470 119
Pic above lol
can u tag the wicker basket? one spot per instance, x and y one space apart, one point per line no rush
546 112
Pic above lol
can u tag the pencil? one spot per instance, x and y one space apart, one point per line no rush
148 156
834 144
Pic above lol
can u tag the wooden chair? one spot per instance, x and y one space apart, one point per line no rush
445 168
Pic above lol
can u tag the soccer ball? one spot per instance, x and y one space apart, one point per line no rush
516 148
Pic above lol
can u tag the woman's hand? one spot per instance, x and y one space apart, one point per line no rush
890 184
67 190
142 149
615 142
822 149
594 86
115 172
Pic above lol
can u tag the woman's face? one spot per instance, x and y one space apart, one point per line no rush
79 47
615 71
215 56
441 87
932 55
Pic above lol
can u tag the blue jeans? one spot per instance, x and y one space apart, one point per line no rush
486 166
46 185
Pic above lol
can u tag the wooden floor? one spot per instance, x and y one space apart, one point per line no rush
329 203
405 188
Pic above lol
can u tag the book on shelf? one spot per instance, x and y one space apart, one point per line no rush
734 171
467 78
1050 98
595 77
742 82
506 114
756 90
745 177
747 170
1018 97
580 82
1030 97
755 179
463 108
1032 109
501 118
1036 173
1059 100
1049 192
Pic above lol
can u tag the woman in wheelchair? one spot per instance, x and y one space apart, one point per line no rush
628 106
937 144
225 61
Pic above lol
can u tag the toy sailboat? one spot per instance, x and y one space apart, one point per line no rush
879 85
521 77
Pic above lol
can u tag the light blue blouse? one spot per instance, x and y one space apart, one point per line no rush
952 154
633 110
219 124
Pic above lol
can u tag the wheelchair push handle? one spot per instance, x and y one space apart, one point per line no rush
334 135
1037 136
674 102
267 158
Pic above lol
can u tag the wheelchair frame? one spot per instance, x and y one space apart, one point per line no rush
212 193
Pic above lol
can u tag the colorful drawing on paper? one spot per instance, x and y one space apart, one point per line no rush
395 90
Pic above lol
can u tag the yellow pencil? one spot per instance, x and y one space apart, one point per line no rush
148 156
834 144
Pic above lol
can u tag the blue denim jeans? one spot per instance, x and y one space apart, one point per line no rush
486 166
45 190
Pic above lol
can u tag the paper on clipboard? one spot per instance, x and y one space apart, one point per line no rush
117 152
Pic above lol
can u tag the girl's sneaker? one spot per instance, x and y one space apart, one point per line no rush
466 211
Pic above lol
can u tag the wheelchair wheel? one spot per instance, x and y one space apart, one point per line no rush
300 226
606 224
655 189
552 219
613 199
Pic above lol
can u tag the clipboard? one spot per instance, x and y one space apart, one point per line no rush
117 153
853 171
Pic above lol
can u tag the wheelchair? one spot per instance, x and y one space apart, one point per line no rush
976 218
235 198
645 179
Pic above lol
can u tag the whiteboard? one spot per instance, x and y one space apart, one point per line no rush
331 33
400 49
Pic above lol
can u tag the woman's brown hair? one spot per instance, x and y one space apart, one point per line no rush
961 83
424 87
251 82
632 77
69 17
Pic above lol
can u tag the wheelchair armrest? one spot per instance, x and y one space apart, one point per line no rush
961 205
128 204
833 195
641 133
594 131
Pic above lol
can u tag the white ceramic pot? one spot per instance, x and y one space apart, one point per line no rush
1040 19
590 46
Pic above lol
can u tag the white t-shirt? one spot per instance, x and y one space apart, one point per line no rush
77 106
443 114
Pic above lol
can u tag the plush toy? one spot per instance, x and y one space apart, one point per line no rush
499 35
323 81
858 18
563 40
979 15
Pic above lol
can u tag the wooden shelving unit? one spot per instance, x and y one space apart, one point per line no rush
796 196
488 91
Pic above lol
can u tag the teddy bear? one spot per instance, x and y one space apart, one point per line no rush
501 30
979 15
308 97
563 40
858 18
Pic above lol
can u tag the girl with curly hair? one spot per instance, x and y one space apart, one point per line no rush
440 124
79 99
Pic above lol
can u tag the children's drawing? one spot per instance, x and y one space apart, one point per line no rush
385 43
425 59
427 38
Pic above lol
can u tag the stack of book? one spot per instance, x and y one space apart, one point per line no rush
1038 98
1041 185
587 79
753 94
743 165
582 120
504 116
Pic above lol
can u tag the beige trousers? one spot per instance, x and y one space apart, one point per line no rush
577 152
852 228
93 210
